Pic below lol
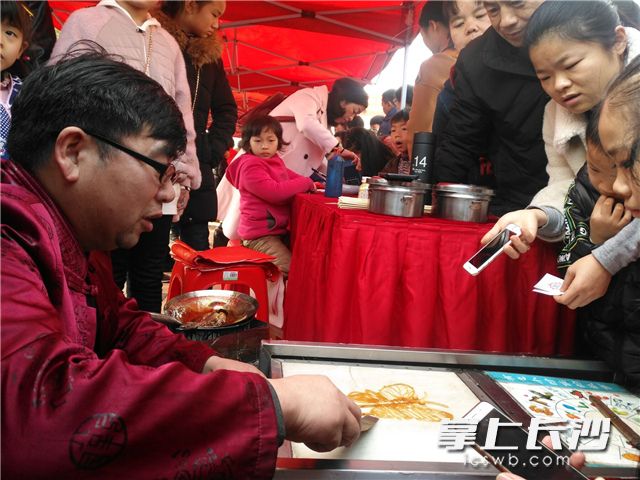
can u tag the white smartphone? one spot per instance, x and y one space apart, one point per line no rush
541 464
491 250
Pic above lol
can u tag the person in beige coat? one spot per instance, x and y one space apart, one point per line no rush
442 24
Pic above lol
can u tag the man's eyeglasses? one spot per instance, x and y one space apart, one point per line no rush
167 172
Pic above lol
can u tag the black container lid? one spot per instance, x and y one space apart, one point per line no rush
424 137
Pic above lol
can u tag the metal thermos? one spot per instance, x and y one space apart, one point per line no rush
335 172
422 159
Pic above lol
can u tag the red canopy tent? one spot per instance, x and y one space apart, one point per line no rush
283 46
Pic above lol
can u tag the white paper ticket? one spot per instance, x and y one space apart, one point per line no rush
549 285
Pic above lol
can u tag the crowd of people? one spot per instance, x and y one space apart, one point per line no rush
109 144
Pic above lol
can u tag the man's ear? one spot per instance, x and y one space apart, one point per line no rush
71 145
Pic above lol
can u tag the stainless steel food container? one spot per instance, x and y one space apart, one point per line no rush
400 199
241 308
467 203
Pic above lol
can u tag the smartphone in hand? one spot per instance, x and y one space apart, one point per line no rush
491 250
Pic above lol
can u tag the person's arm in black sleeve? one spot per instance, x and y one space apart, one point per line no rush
225 114
464 138
576 242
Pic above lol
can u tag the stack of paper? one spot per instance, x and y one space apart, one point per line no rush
353 202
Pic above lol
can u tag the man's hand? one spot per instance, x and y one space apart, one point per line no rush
586 280
316 413
220 363
607 219
528 220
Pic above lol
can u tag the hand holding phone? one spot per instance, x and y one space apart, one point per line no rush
491 250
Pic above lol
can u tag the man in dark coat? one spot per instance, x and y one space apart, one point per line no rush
497 111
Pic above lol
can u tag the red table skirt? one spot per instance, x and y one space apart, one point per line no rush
358 277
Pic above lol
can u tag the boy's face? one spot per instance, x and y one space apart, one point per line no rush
12 45
602 170
399 136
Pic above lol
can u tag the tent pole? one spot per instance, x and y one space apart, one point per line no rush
407 44
403 101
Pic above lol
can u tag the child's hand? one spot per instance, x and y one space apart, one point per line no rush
607 219
585 281
316 186
389 143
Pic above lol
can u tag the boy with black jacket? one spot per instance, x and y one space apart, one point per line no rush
610 326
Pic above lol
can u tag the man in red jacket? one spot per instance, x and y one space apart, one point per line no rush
91 386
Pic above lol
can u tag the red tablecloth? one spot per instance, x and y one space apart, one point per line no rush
359 277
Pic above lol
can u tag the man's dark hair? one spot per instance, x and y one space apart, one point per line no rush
389 95
349 90
398 95
254 127
432 10
90 90
401 117
376 120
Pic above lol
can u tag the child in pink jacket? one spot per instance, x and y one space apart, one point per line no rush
266 188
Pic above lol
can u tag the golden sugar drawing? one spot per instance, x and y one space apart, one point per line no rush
400 401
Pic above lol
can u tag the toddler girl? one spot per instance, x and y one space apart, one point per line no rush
266 188
16 28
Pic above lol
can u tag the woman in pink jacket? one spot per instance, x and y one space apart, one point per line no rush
266 187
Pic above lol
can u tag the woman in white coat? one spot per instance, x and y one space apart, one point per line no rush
306 116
